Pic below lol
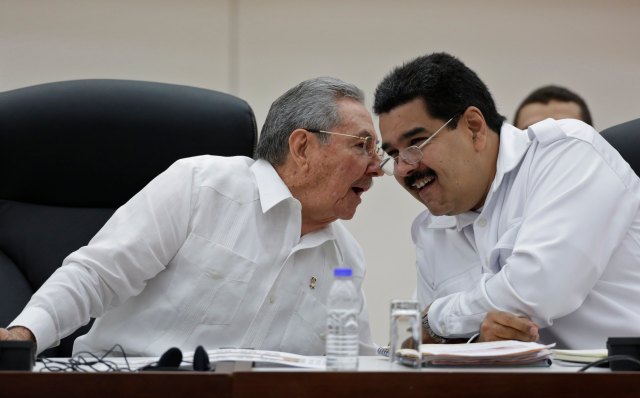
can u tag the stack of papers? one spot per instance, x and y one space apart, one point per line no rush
262 356
495 353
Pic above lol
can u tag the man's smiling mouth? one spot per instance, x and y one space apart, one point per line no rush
420 179
424 181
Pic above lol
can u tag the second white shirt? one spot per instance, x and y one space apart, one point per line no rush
558 240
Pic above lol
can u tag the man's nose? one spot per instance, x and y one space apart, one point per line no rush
374 169
403 169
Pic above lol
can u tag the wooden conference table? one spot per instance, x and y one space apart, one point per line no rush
375 378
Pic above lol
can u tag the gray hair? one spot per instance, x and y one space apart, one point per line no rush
311 104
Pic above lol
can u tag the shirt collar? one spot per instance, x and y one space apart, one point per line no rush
465 219
458 221
320 237
514 144
271 188
432 221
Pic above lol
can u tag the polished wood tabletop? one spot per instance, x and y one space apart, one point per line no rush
375 378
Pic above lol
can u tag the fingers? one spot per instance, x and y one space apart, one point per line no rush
521 325
5 334
409 343
499 325
16 333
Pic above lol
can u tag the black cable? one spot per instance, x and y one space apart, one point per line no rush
85 361
609 359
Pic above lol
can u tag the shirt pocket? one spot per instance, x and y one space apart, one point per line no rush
305 332
447 263
444 272
463 279
213 281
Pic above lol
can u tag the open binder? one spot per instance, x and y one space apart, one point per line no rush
580 356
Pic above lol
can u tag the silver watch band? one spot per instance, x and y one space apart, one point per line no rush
425 324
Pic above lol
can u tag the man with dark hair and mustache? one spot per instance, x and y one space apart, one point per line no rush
526 235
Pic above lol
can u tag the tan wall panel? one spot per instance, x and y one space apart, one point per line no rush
184 42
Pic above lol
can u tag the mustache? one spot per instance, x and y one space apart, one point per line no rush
417 175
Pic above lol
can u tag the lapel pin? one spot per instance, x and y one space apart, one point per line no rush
312 282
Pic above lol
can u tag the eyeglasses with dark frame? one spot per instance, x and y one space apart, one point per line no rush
410 155
370 146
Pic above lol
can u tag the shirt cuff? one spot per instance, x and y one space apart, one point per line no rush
460 315
41 325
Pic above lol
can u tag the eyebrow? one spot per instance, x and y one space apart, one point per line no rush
405 136
367 134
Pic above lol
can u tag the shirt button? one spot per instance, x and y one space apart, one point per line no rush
213 274
272 299
482 222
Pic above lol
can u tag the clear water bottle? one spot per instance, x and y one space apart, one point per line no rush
343 306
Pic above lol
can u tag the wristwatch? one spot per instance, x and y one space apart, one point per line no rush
436 338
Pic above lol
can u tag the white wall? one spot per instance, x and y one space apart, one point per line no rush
257 49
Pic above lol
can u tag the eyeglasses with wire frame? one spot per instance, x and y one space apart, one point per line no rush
370 146
410 155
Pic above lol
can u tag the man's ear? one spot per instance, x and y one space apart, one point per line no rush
299 147
474 122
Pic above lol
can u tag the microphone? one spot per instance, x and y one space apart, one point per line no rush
170 360
201 359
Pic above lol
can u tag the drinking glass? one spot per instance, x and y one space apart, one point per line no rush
405 331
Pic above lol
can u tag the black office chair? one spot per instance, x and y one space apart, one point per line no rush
72 152
625 138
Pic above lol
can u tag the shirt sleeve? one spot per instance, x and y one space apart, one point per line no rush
573 195
135 244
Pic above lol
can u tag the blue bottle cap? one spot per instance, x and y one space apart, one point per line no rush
342 272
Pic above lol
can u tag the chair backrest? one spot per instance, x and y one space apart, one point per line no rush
625 138
72 152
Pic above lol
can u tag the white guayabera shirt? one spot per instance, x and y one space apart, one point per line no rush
209 253
558 240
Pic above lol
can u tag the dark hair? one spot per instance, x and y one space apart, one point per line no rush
310 104
555 93
447 86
